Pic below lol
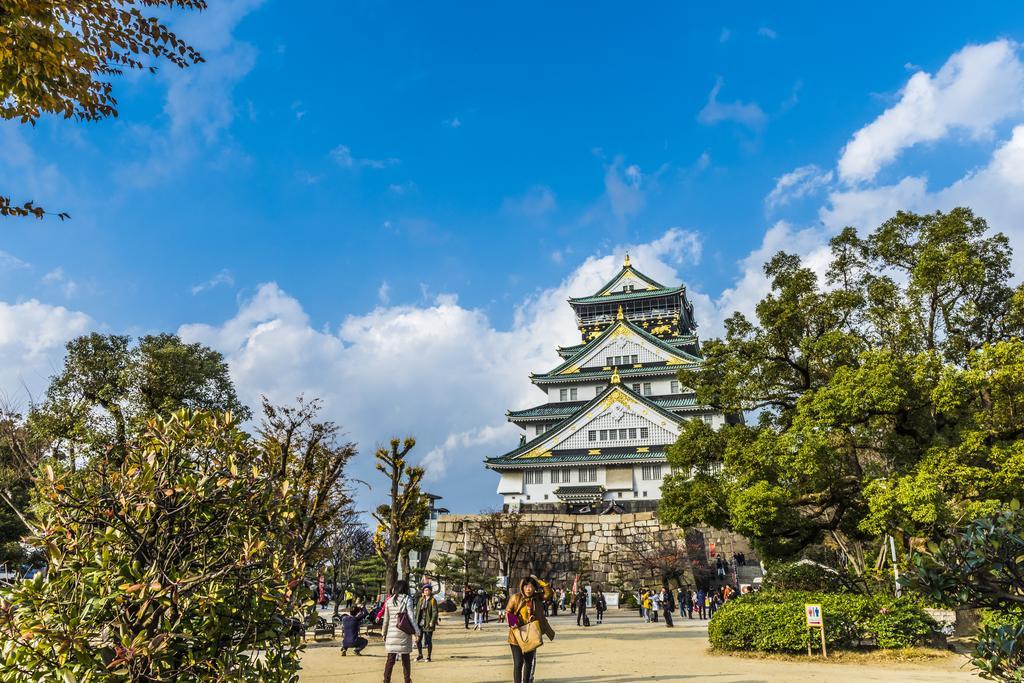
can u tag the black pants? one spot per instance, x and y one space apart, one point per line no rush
426 640
668 618
523 665
702 611
358 644
390 665
580 613
600 616
468 614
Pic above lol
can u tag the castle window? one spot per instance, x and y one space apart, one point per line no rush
623 434
636 387
573 394
634 358
563 394
592 435
674 387
647 388
610 360
604 435
612 433
650 472
533 477
599 389
643 432
588 474
632 432
559 476
707 419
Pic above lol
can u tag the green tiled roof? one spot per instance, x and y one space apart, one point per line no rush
626 296
622 271
644 334
648 370
564 409
564 424
578 490
576 457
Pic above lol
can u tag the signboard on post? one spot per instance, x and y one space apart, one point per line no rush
815 619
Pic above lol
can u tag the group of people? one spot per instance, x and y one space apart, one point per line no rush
476 606
578 603
704 602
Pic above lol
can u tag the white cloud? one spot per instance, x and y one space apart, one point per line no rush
623 189
384 293
453 122
58 278
977 88
342 156
32 338
748 114
995 191
538 201
798 183
223 277
440 371
11 262
400 189
766 32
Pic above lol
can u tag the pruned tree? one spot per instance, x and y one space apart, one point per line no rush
348 542
59 56
399 521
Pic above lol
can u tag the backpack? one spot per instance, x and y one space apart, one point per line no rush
586 620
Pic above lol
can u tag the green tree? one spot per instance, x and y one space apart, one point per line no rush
461 568
401 519
862 389
109 388
58 56
982 565
174 563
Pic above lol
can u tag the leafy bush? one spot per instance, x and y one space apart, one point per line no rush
770 621
806 576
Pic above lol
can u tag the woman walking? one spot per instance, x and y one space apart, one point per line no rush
396 631
524 608
426 619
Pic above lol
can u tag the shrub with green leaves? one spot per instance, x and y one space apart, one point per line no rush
770 621
802 576
168 566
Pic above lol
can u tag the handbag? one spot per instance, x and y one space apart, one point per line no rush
528 637
403 622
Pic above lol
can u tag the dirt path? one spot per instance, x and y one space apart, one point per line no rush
623 650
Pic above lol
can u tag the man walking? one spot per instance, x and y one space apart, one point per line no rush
701 603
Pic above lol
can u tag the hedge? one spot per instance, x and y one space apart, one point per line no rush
774 622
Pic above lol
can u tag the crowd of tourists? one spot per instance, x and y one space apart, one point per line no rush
408 620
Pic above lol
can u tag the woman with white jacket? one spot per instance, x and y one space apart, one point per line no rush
396 641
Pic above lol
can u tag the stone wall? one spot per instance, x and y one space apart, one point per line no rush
607 550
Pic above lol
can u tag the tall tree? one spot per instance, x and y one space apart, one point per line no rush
399 521
884 398
58 57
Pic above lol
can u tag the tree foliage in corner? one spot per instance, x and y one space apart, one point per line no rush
983 566
58 56
174 563
888 398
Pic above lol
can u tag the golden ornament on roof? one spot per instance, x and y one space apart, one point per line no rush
615 377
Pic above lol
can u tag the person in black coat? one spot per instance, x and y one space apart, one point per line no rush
467 605
581 606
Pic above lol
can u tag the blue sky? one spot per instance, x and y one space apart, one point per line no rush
385 204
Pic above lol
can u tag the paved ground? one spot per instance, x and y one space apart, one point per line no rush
623 650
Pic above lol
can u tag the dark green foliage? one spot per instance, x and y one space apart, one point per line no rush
983 566
774 622
794 576
890 397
